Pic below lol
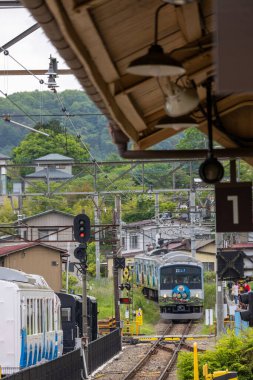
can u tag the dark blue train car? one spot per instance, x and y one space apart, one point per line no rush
71 312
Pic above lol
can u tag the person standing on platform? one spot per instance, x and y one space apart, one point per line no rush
235 292
246 287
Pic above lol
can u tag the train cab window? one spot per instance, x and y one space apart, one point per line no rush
50 313
59 324
176 275
66 314
34 316
30 317
39 316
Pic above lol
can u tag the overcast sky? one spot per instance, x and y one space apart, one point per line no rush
32 52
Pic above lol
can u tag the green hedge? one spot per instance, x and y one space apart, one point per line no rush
232 352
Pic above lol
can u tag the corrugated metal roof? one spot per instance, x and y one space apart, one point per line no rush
48 212
9 249
51 173
54 157
3 156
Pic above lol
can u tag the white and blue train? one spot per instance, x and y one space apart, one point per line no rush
30 321
173 279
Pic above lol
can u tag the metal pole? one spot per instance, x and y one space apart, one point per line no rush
116 249
157 208
192 220
85 338
219 292
96 230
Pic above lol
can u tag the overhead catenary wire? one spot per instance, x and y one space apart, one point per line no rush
41 81
64 110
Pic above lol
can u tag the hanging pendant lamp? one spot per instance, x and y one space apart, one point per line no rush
156 63
178 2
180 100
176 123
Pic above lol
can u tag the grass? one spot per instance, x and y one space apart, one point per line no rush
102 290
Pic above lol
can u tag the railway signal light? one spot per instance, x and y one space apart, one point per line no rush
82 228
125 301
80 253
247 315
127 286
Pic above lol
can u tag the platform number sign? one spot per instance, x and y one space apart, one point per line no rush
233 207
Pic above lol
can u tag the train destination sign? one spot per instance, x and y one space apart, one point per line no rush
233 207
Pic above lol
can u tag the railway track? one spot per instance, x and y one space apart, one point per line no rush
159 361
161 356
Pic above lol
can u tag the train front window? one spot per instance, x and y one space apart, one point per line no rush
180 274
66 314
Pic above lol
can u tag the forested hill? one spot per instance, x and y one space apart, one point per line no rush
41 107
29 108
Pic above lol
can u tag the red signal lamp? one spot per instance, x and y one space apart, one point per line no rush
125 301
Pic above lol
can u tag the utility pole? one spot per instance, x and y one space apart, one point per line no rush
157 208
96 230
82 235
116 253
192 221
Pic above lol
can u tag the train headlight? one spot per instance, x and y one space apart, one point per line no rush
165 296
197 295
178 295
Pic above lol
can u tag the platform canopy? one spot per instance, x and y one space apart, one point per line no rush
101 40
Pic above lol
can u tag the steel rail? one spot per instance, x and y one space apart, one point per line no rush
169 366
137 367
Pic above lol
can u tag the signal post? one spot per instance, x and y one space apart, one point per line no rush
82 235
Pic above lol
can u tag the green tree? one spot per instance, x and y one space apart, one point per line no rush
35 145
192 139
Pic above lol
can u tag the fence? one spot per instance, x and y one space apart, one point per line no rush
103 349
68 366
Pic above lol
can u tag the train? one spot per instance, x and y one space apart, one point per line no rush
175 280
71 316
30 321
37 324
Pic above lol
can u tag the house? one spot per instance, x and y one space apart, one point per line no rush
140 237
53 227
206 252
36 258
52 167
147 234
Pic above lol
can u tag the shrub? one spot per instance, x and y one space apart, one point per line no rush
232 352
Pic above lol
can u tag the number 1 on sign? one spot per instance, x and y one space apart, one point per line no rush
234 200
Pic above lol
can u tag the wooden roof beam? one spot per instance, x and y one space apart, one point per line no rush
189 21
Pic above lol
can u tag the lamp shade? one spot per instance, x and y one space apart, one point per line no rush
176 123
178 2
181 101
211 170
155 63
